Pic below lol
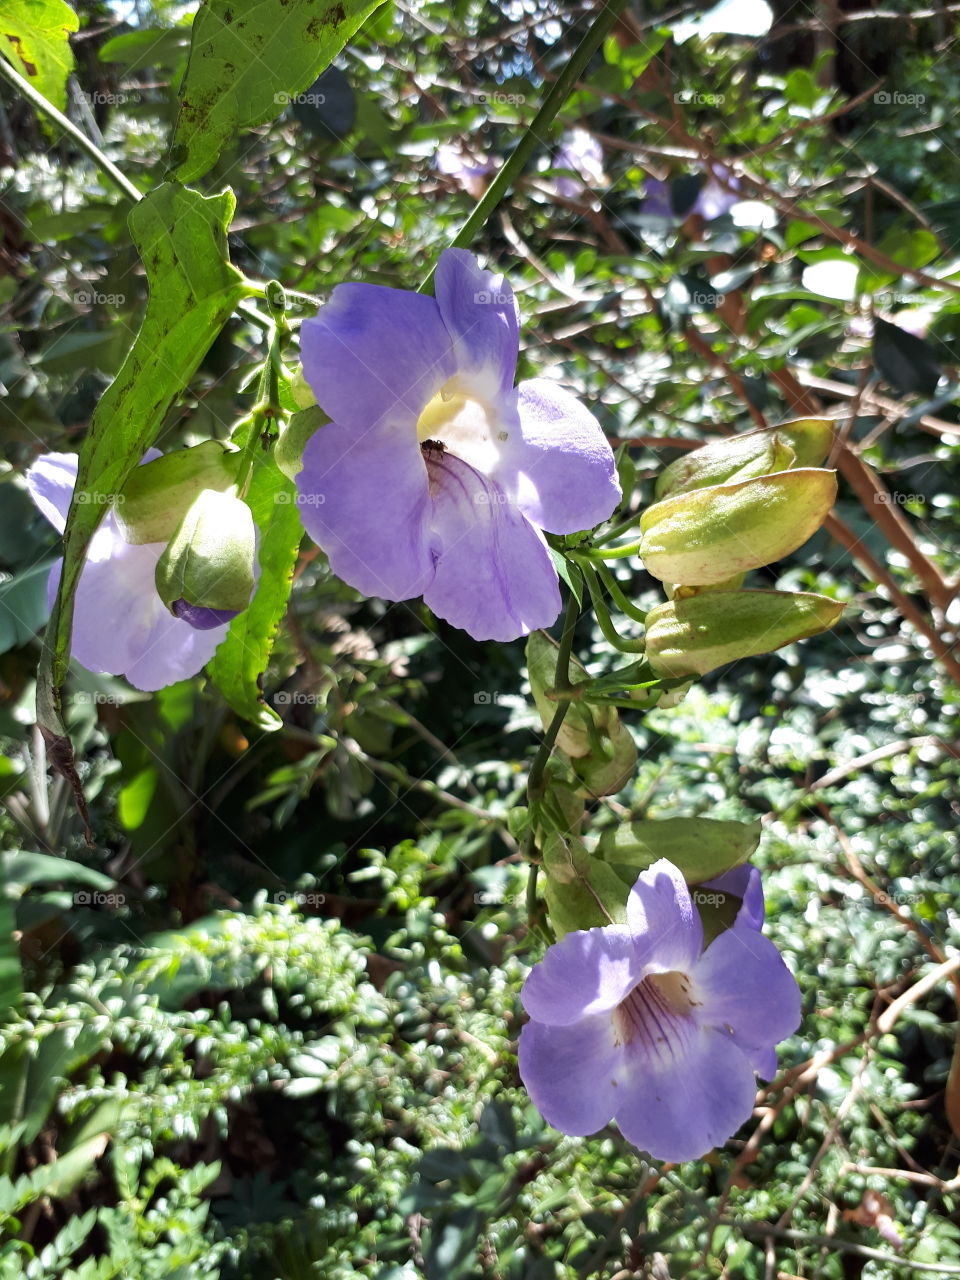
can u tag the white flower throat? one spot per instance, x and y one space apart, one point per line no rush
463 424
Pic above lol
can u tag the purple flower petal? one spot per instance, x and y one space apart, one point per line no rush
683 1105
744 985
660 905
557 462
50 483
656 199
363 498
120 625
494 575
743 881
572 1073
482 319
375 356
587 972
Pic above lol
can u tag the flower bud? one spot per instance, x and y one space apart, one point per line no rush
605 777
206 574
694 634
707 535
702 848
156 496
803 443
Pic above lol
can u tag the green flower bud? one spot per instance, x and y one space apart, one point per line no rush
605 777
157 495
703 848
206 574
803 443
695 634
707 535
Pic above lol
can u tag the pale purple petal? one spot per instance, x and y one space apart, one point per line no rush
50 483
556 462
743 984
481 316
587 972
743 881
572 1073
656 199
375 356
120 625
494 575
680 1108
763 1060
660 905
363 498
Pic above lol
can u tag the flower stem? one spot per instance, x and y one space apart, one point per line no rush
610 633
618 595
535 781
538 128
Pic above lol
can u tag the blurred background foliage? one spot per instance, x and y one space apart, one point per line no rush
266 1027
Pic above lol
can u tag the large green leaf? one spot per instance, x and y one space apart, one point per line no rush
248 60
10 978
240 661
34 38
181 237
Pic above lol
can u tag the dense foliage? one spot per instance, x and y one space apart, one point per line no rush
265 1024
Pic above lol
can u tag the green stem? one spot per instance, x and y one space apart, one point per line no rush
612 553
538 129
618 595
610 633
535 781
80 138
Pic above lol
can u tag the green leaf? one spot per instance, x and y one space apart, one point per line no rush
703 848
247 60
181 238
34 38
240 661
23 605
30 868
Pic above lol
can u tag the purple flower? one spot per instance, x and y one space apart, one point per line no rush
714 199
120 625
469 171
581 152
639 1023
437 475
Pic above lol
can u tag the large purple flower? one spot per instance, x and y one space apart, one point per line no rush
640 1024
437 475
120 624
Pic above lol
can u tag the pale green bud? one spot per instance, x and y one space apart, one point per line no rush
803 443
695 634
157 495
206 574
706 536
